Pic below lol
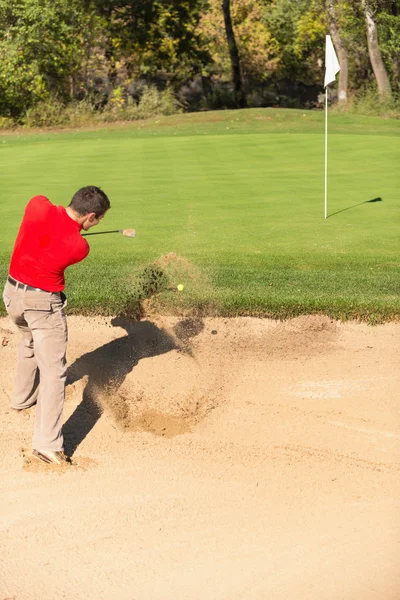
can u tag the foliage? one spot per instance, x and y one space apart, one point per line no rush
104 52
146 36
151 103
50 112
257 48
368 102
221 96
389 42
6 123
154 102
53 113
43 47
296 36
351 22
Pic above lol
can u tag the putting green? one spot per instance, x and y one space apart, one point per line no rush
239 195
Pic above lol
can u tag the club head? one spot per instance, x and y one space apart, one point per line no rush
129 232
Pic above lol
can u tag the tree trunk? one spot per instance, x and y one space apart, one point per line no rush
240 97
341 50
378 67
71 87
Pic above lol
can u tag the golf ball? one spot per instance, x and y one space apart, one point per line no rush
179 287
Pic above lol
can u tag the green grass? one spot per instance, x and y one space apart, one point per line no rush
237 194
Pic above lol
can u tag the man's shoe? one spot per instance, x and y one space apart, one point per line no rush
22 414
52 457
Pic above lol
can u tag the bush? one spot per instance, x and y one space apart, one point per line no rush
48 113
53 113
7 123
368 102
220 98
152 102
79 114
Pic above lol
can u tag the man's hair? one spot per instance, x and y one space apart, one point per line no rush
90 199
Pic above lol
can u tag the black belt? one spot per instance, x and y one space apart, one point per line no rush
29 288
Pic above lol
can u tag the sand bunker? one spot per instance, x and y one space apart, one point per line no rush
211 458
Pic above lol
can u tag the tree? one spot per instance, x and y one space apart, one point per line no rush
375 56
153 36
298 28
43 46
255 44
340 48
240 97
388 23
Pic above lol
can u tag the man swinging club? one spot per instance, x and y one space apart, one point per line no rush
49 240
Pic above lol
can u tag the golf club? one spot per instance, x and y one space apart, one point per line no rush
126 232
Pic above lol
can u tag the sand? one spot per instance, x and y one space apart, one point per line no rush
217 459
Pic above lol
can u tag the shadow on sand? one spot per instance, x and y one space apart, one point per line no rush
107 367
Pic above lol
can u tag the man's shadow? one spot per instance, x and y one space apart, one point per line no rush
107 367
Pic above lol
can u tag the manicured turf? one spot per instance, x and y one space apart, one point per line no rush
237 194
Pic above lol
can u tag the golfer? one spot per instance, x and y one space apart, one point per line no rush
49 240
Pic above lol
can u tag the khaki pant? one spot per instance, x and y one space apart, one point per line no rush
41 366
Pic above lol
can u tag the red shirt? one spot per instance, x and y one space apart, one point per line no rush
48 242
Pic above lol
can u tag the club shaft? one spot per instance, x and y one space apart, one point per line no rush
101 232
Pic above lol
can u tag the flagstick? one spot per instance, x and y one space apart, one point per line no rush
326 152
332 67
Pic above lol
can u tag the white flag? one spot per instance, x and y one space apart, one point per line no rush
331 62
